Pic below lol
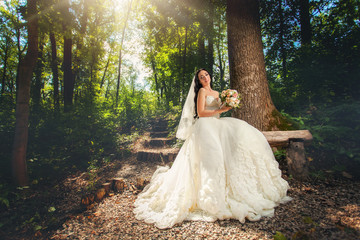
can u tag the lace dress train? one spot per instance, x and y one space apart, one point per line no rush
225 169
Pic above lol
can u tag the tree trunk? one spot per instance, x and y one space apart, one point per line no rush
105 71
201 44
68 74
55 71
6 56
157 88
19 168
36 88
20 56
305 22
281 38
210 37
184 66
247 66
120 55
69 78
78 57
221 65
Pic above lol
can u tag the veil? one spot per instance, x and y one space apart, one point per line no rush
187 116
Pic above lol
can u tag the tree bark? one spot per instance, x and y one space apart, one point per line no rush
247 66
55 71
19 168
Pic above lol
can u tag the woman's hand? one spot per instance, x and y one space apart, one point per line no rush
224 108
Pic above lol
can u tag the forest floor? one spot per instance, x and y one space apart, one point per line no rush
326 208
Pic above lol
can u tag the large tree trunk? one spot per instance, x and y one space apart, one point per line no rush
247 66
305 22
55 71
19 168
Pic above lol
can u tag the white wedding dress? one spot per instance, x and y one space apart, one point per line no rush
225 169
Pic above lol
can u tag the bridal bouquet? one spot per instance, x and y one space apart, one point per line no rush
231 98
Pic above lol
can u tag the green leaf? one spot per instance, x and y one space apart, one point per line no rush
37 227
5 201
51 209
279 236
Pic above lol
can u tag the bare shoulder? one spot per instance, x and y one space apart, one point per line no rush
202 92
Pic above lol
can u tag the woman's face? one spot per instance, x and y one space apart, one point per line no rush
204 78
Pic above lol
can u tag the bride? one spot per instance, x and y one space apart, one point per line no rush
225 168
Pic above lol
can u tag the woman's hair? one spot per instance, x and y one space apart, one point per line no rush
198 86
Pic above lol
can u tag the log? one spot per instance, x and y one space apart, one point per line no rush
141 183
159 142
295 156
107 187
282 138
118 185
87 200
100 194
294 141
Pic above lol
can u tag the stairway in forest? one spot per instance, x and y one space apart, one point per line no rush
156 146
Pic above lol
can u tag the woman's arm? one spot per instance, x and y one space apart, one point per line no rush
201 106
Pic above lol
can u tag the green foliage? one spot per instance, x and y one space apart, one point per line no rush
4 196
180 41
279 236
317 82
336 129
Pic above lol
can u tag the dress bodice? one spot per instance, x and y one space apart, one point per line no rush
212 103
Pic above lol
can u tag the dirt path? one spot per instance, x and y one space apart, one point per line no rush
327 209
320 210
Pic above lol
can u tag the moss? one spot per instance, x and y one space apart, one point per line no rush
281 122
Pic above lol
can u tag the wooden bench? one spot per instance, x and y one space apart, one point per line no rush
295 142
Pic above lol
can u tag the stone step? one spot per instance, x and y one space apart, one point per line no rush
164 156
161 122
159 142
159 128
163 134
